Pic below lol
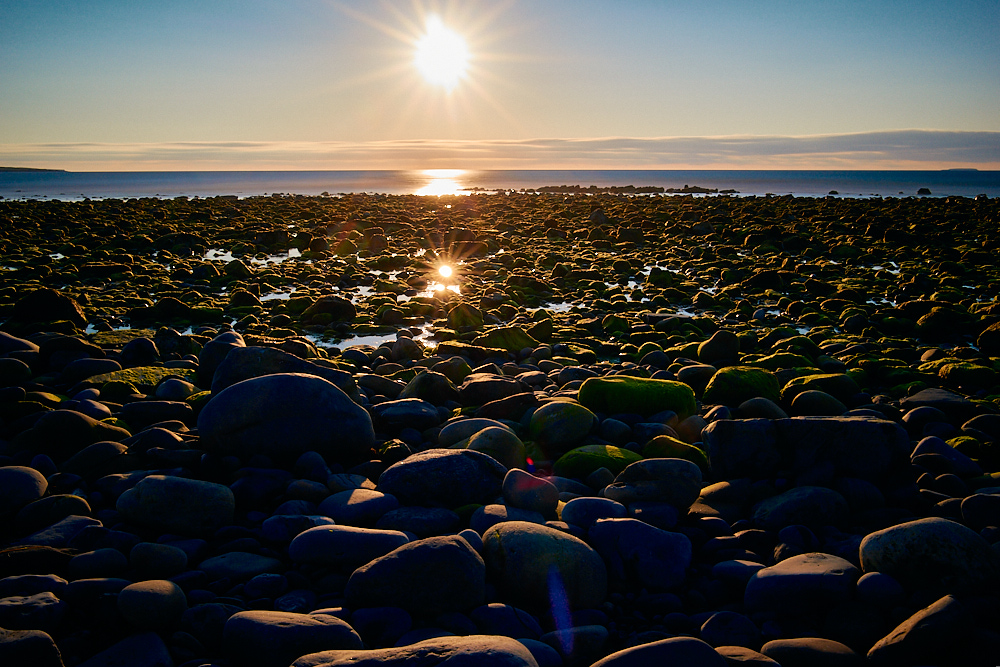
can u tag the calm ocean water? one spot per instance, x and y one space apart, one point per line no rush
79 185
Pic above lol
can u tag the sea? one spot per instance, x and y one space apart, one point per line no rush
76 186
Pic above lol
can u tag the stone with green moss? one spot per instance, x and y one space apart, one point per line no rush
667 447
500 443
580 462
622 394
465 315
773 362
967 374
120 337
839 385
735 384
511 339
558 425
144 378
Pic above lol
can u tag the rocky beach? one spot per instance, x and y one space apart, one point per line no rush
520 429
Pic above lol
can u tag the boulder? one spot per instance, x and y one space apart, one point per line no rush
534 565
931 553
444 478
645 396
243 363
639 555
430 576
737 384
283 416
278 638
178 505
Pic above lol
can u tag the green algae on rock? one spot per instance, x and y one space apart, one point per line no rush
645 396
580 462
735 384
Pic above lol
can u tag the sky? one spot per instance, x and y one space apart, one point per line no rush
108 85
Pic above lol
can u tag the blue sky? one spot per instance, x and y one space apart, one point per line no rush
131 84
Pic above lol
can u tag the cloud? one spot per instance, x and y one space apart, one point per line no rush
897 149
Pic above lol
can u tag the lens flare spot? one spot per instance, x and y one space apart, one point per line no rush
446 271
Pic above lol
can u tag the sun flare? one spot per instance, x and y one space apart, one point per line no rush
445 271
442 55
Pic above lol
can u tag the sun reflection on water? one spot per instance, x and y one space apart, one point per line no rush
442 182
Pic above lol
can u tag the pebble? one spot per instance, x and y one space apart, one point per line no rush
155 604
277 638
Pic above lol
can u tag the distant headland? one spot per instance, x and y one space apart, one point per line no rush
28 169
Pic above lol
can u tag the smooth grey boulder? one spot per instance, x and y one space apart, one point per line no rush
284 416
430 576
673 481
343 546
641 555
801 583
444 478
277 638
931 553
534 564
813 506
675 651
178 505
244 363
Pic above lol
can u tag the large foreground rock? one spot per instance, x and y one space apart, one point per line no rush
244 363
277 638
932 552
284 416
469 651
534 565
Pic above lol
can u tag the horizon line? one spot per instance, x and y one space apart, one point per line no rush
893 150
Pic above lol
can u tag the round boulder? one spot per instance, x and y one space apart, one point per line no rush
444 478
535 564
283 416
178 505
931 552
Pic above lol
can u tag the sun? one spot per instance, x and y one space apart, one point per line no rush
442 55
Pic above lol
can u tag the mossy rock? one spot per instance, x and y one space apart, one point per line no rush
144 378
735 384
966 374
580 462
120 338
511 339
542 330
621 393
465 315
839 385
773 362
560 424
667 447
500 443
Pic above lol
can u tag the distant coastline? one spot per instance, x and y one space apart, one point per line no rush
32 169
